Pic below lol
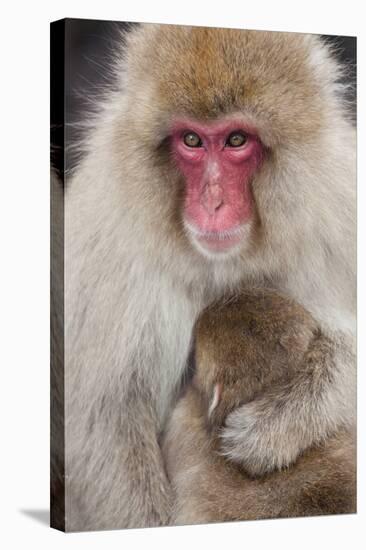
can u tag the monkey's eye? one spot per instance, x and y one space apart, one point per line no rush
191 139
236 139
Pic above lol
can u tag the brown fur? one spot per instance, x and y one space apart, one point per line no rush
226 70
136 280
251 346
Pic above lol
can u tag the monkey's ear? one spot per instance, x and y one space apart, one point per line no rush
216 396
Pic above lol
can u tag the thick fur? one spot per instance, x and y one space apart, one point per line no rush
135 284
210 488
57 495
256 349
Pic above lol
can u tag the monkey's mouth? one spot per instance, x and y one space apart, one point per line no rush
217 241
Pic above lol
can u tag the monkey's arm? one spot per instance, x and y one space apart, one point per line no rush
116 472
271 431
209 488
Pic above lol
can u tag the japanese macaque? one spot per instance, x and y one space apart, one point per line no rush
256 348
220 159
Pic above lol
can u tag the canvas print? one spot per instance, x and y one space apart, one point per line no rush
203 263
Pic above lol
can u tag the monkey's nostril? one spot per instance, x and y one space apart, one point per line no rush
212 199
212 206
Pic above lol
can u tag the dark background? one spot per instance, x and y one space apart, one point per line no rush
88 49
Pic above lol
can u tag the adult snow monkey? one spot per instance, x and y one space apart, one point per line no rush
223 158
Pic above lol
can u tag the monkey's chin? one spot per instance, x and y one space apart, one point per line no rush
219 245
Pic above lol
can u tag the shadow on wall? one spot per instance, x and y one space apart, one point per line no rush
39 515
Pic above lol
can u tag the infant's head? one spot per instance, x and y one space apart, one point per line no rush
246 345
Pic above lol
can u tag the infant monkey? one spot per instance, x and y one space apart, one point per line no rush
254 346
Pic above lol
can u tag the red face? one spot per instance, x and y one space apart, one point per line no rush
218 161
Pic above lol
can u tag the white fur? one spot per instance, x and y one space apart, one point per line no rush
134 286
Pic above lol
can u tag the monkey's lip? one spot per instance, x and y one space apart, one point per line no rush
219 243
217 240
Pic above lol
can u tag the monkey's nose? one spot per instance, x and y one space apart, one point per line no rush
212 198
